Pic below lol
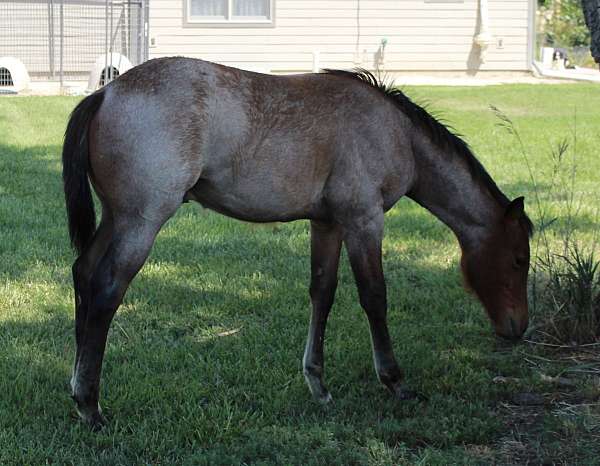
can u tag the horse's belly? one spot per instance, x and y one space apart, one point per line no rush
256 202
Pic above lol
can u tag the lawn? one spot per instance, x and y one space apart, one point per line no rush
203 364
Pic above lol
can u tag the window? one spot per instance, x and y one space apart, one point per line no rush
5 78
230 12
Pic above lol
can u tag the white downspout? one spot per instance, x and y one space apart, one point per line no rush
531 36
484 38
316 67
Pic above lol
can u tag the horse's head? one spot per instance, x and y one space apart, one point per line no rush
496 270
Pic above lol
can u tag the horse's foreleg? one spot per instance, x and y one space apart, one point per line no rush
363 241
326 241
127 251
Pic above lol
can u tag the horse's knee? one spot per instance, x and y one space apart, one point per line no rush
374 301
322 293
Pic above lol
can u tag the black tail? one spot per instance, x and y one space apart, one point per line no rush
78 196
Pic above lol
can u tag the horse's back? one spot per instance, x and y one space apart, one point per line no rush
257 147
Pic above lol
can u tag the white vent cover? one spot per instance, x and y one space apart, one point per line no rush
13 75
107 66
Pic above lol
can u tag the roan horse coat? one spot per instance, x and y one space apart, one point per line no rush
338 148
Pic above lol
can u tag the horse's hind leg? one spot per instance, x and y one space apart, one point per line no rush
83 268
326 241
363 241
130 241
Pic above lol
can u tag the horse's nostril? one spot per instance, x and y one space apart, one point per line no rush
517 327
510 329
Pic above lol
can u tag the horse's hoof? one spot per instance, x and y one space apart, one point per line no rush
324 398
406 394
93 418
402 393
96 422
318 390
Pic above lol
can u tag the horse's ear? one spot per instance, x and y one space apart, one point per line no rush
515 209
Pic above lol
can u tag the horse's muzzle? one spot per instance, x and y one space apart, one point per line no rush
513 325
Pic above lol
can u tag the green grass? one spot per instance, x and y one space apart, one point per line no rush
203 364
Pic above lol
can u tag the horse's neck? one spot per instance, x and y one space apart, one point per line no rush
445 186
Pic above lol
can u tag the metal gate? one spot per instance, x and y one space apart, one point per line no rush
63 39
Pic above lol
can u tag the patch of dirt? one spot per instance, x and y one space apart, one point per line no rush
524 427
558 422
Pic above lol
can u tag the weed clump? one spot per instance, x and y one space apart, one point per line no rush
570 296
565 277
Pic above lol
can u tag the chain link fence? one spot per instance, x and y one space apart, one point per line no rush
62 39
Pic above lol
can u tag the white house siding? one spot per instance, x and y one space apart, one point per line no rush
421 36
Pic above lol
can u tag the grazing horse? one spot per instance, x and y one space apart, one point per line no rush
339 148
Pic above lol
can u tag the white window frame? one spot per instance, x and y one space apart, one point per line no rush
205 21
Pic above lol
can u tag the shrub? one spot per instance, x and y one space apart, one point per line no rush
571 296
562 23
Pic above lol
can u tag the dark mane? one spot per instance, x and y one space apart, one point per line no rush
439 133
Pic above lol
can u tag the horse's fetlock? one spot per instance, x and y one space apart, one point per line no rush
390 375
84 396
313 370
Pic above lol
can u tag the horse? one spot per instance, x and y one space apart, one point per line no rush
338 148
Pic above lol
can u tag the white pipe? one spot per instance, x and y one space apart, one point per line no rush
485 19
484 38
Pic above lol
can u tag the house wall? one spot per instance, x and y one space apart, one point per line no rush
422 35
